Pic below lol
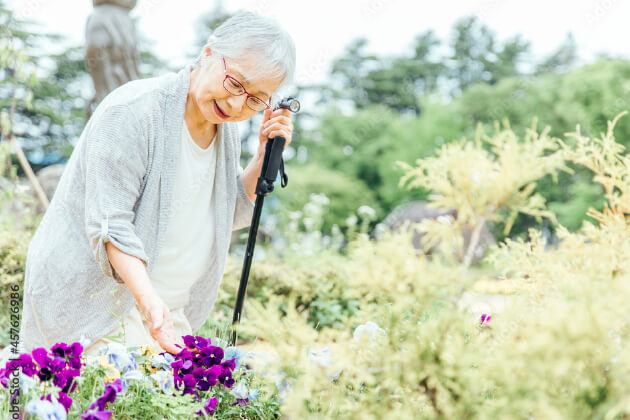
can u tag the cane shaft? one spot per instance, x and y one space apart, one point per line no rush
269 172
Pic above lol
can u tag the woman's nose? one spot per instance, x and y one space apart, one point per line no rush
236 104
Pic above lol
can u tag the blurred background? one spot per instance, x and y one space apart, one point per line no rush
379 82
383 84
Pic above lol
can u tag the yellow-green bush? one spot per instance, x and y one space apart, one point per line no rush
558 350
13 242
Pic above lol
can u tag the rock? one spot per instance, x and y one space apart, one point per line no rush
417 211
49 178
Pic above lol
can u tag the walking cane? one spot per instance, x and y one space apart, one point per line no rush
271 163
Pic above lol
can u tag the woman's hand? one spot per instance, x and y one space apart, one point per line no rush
159 320
275 123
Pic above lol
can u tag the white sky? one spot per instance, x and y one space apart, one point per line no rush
322 28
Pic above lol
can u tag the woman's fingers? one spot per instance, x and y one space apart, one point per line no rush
165 334
266 115
279 125
160 323
281 119
166 340
279 128
274 125
275 121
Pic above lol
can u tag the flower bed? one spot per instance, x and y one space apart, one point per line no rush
205 378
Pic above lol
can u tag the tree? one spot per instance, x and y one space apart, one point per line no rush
478 57
562 59
396 82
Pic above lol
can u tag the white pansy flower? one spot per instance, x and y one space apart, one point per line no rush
321 357
46 410
312 209
164 380
26 383
239 391
160 362
444 219
320 199
295 215
367 212
309 223
369 329
118 355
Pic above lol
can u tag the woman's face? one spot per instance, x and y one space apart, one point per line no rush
207 91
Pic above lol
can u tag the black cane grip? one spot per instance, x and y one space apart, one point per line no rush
275 147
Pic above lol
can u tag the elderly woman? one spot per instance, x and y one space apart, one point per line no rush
133 246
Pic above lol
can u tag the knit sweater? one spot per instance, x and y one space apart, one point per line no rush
117 187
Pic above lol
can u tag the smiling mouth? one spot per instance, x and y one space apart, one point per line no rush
219 112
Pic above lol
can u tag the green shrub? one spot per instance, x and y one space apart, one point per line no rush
344 195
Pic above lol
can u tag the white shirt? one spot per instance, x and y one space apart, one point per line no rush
186 250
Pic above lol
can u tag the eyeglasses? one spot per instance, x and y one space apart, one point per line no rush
235 87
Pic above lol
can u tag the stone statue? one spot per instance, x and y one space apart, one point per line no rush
110 47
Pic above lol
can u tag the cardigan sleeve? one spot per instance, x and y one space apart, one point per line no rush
244 209
116 159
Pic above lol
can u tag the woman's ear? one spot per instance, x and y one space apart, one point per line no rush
207 51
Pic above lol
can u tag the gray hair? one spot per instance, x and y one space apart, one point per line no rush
249 35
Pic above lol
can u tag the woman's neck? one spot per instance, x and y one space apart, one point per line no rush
201 130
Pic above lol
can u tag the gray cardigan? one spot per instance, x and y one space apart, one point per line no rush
117 187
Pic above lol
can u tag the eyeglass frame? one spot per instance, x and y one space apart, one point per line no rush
268 105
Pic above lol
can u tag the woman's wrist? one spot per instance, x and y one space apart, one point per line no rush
146 296
260 153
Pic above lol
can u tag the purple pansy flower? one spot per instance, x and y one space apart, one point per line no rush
208 406
190 384
109 395
195 342
59 350
485 318
25 361
226 378
210 355
97 415
184 355
229 364
64 379
40 356
65 401
200 366
210 378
